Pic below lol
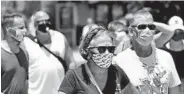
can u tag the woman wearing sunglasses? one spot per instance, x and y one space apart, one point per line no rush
98 75
150 70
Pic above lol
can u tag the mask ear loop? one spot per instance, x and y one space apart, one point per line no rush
132 32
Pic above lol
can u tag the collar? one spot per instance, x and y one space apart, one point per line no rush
5 46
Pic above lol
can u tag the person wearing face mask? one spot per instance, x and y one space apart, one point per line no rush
150 70
98 75
14 61
174 43
45 46
119 30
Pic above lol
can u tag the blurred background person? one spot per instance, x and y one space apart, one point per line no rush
119 30
87 27
14 63
174 43
46 71
154 68
98 75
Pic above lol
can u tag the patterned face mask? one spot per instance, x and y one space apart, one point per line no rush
17 35
103 60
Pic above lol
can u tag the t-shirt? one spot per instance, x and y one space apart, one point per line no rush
13 71
45 70
151 75
75 81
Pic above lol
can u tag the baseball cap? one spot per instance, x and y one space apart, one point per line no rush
176 22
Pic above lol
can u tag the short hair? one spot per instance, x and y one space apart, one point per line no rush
87 39
141 13
8 21
112 25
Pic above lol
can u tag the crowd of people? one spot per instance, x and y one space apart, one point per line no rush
141 57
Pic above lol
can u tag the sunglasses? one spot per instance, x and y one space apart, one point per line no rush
143 26
102 49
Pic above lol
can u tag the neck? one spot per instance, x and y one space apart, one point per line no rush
95 70
14 47
142 51
176 45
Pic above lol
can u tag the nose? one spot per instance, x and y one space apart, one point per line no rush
106 51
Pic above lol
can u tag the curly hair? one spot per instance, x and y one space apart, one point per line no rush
87 39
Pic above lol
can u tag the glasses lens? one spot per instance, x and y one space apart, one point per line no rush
151 26
111 49
141 26
101 49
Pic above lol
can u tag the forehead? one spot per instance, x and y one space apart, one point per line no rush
18 21
101 39
41 16
142 19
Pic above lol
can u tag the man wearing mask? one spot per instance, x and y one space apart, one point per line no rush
150 70
14 63
46 72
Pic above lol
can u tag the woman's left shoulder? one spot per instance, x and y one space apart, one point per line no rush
119 71
117 68
121 75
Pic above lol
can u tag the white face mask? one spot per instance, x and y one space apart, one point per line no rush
145 37
19 35
103 60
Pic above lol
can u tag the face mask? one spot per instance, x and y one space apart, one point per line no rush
144 37
43 27
178 35
103 60
18 36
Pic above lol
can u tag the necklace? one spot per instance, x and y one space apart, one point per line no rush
154 61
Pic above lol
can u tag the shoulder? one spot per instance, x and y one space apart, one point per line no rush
124 53
27 41
75 72
56 33
123 56
162 53
119 70
121 75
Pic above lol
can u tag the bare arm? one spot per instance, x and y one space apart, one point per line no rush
164 36
174 90
69 56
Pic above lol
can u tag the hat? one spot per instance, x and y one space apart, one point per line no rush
176 22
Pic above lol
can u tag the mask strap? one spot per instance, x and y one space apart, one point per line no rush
92 78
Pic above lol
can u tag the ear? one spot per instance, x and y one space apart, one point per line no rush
130 31
133 32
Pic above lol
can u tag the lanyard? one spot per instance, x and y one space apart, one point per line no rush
92 79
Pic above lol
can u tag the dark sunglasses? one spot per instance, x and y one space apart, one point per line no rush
102 49
143 26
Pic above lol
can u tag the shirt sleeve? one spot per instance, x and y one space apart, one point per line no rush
68 84
174 79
